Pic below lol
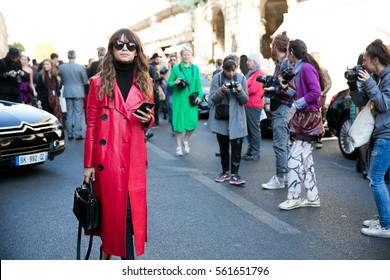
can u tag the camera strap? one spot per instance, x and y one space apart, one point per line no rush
192 73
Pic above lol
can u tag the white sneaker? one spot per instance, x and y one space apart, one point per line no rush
290 204
370 223
186 147
274 183
179 151
376 231
308 203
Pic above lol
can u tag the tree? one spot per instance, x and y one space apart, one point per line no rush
43 50
186 4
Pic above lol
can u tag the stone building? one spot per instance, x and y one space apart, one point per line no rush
213 28
3 37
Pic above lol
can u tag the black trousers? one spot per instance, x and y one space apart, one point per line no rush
11 97
236 147
129 233
157 107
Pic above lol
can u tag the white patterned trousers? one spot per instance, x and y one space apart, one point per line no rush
300 171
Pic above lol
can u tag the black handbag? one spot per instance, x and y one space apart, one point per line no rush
222 111
86 210
192 97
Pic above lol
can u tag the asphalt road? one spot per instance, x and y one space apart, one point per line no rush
190 216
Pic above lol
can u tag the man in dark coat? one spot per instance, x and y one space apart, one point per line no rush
154 72
11 75
94 69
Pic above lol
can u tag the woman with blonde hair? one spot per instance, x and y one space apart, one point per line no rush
185 80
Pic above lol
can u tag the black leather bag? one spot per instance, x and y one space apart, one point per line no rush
222 111
86 210
192 97
86 207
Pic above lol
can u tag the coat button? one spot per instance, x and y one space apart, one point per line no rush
100 167
104 117
102 142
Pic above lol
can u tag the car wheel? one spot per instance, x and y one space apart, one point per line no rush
345 142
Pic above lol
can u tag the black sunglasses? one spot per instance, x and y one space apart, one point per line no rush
118 45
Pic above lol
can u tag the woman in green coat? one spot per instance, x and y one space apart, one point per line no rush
185 80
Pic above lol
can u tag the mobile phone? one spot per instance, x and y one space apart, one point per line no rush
145 105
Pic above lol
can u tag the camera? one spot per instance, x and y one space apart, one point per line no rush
287 75
18 78
267 80
232 86
352 74
183 83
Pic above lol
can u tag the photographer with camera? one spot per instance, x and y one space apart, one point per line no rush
154 72
254 106
229 93
375 79
11 75
306 126
185 80
279 105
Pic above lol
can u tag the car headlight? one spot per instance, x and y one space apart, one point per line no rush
55 121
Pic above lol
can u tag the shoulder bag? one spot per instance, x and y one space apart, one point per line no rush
363 126
192 97
307 124
222 109
86 210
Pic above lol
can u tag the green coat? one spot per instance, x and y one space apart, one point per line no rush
184 116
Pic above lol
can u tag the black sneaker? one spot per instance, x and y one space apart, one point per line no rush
236 180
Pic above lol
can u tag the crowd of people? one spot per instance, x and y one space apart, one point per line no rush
123 78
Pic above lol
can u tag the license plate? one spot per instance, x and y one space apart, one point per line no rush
31 159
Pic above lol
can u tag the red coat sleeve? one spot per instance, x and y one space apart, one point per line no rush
92 115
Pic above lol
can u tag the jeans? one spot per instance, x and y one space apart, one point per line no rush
281 135
236 145
379 163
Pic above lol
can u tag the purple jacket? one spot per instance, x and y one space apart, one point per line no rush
309 89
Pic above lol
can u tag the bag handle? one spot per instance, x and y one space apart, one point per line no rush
226 96
79 234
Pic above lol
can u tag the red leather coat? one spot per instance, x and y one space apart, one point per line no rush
115 147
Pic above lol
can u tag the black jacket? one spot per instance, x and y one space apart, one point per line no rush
9 85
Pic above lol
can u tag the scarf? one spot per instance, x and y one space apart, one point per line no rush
252 71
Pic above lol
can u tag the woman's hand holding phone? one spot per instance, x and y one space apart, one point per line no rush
143 112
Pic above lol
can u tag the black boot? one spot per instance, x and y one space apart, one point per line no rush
364 170
361 167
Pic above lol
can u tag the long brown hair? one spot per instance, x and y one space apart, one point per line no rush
379 50
299 49
141 70
53 71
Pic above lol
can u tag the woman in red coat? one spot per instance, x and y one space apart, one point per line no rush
115 150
